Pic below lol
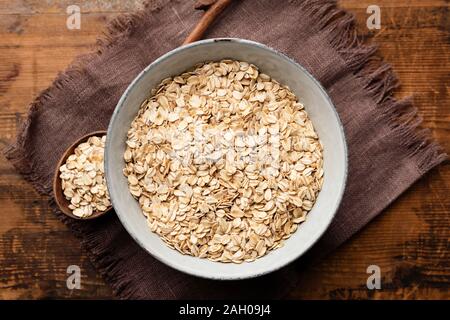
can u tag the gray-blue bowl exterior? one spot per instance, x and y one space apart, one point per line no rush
286 71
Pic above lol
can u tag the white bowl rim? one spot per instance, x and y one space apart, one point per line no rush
193 271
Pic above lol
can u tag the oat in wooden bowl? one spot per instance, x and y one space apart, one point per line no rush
224 162
81 179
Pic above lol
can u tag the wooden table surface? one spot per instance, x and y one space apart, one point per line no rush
409 241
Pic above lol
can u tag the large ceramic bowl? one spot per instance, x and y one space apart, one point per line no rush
281 68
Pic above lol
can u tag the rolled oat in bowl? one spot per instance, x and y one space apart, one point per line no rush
224 162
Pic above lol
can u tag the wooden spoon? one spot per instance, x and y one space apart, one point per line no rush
60 199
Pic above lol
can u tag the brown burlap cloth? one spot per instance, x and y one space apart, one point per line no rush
387 150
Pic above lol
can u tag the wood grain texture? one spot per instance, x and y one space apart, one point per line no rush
409 241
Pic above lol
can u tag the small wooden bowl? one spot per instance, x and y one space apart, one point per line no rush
60 199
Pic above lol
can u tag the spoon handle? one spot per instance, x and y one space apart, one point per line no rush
207 19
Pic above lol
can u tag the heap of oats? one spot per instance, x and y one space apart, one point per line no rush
83 178
224 162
